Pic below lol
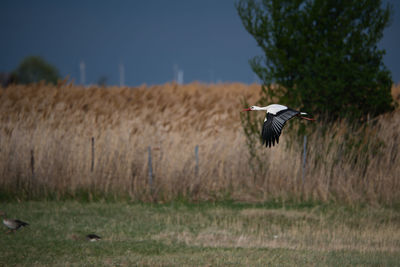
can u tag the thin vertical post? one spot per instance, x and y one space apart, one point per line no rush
82 68
196 155
92 165
32 164
150 168
180 76
121 74
304 158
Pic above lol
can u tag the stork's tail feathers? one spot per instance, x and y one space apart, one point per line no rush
306 118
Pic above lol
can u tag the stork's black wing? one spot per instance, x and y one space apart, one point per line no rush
273 125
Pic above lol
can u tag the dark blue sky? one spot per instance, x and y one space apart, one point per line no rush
204 38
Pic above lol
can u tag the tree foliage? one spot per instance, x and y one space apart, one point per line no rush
35 69
321 56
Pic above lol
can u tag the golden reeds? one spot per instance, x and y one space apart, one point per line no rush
55 125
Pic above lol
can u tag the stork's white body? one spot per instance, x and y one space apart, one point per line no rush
275 108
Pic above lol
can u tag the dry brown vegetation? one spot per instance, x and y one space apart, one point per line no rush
55 125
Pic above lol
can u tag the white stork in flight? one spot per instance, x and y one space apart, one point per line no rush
276 117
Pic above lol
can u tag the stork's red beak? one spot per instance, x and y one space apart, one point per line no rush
247 109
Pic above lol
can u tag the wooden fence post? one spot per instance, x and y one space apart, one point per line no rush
150 168
32 164
304 158
196 155
92 165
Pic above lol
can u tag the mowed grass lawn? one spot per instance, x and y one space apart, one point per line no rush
205 234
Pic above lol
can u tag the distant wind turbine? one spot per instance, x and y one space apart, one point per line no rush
82 68
121 74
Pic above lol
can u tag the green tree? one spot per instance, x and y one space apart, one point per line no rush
34 69
321 56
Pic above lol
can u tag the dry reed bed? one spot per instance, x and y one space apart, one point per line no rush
55 124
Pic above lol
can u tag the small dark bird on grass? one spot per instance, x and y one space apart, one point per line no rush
93 237
12 224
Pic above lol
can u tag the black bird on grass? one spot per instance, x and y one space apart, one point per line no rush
93 237
12 224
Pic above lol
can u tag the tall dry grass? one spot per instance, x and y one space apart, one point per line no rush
46 147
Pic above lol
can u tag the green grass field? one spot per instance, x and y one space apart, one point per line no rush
203 234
